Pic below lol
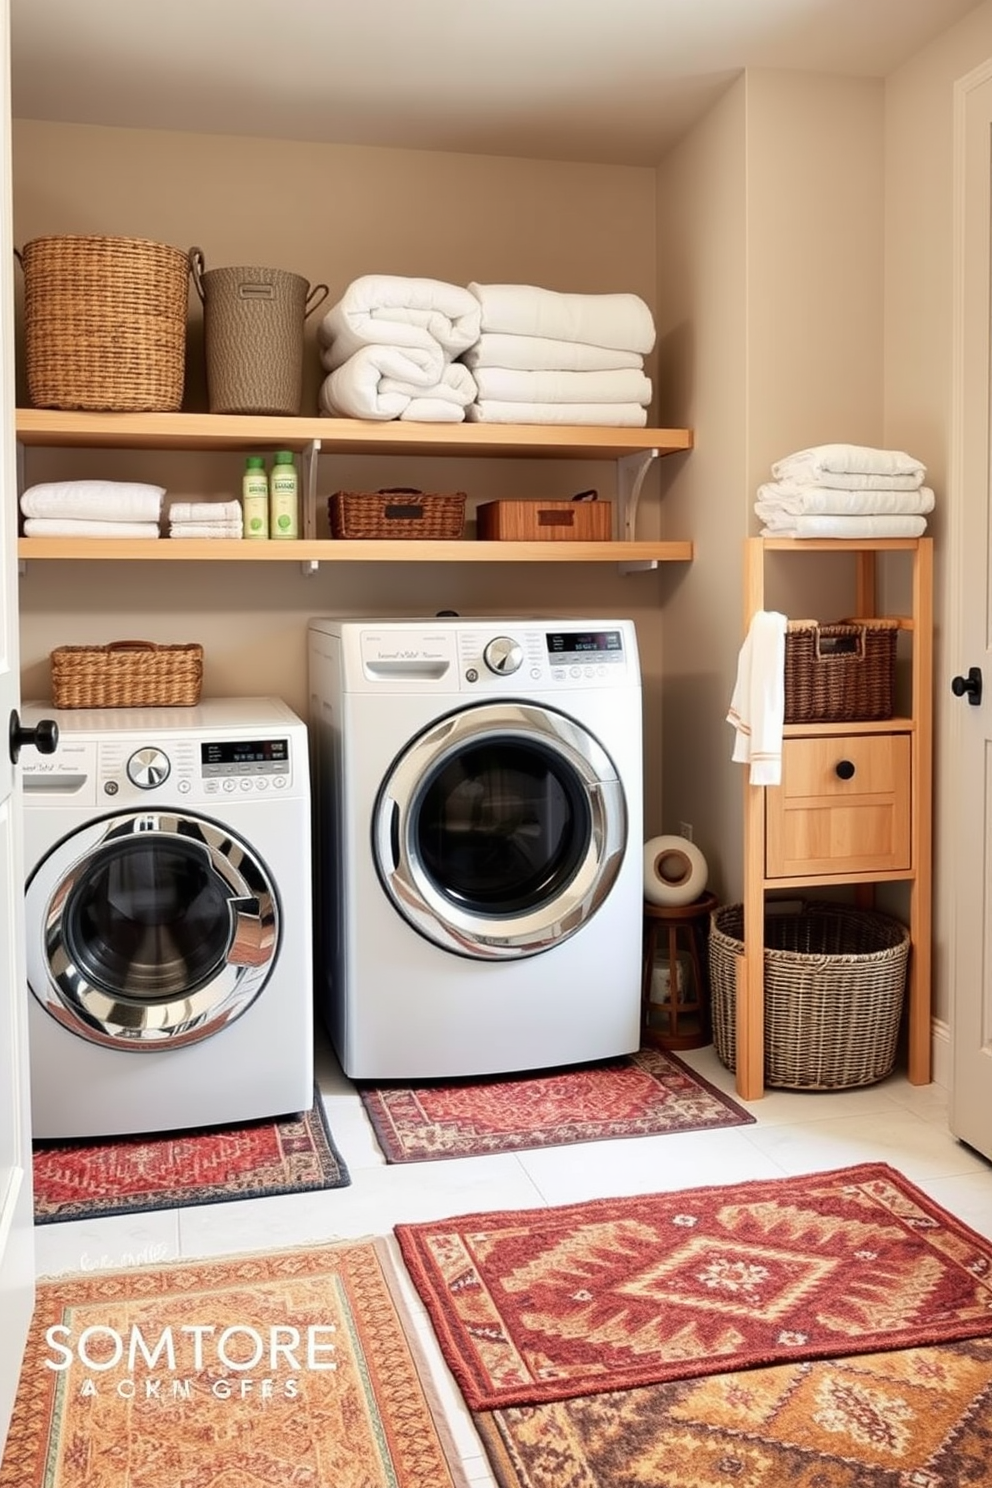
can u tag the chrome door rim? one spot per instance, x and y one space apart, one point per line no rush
114 1020
502 937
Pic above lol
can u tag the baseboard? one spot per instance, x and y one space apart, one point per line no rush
940 1053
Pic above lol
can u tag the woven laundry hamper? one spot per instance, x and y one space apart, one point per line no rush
253 322
105 323
835 981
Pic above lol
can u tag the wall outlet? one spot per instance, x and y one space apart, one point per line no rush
685 830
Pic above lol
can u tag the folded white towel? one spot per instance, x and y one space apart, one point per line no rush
619 386
206 529
610 415
379 382
205 511
757 707
784 524
544 354
777 497
72 527
818 464
96 500
387 309
621 321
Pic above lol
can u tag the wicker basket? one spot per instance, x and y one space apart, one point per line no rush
127 674
840 673
399 511
835 979
105 323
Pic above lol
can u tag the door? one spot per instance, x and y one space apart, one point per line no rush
500 830
970 577
16 1245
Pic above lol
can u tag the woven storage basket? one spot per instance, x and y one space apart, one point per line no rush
835 980
127 674
253 336
396 512
840 673
105 323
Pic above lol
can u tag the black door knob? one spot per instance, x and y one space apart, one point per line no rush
844 769
44 736
970 685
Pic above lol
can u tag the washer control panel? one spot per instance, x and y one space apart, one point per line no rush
121 770
495 655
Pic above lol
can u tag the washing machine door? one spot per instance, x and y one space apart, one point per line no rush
150 930
500 830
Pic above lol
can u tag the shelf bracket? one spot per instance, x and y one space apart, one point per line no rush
309 458
631 470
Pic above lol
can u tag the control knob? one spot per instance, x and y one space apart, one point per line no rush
503 656
148 767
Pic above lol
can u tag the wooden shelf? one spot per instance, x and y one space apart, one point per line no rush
210 431
182 550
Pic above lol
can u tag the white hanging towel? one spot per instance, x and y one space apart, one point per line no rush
757 707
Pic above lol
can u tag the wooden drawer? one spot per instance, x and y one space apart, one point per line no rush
843 807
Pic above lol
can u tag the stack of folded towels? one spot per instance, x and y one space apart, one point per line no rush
206 519
845 490
92 508
548 358
390 345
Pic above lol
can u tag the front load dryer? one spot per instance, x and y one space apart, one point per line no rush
168 918
478 821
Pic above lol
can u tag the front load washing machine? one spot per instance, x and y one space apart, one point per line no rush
478 819
168 918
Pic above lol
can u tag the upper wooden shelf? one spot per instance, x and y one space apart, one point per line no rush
211 431
212 550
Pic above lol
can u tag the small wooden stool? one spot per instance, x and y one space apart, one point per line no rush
683 1020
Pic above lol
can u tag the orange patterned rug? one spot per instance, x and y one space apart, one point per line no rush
132 1175
291 1368
918 1418
542 1304
638 1095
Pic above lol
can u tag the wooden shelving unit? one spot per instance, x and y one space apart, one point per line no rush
900 850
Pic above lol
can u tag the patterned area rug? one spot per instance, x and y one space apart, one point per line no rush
76 1180
289 1368
542 1304
638 1095
918 1418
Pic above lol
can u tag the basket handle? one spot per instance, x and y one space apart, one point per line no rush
831 652
197 264
318 294
132 646
400 491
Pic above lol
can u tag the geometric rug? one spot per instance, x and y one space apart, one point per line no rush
918 1418
543 1304
288 1368
636 1095
132 1175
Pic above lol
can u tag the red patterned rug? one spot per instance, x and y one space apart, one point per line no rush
918 1418
638 1095
537 1305
131 1175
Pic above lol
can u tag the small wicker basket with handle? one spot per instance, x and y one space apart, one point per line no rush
397 512
127 674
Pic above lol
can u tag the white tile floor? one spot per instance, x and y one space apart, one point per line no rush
892 1122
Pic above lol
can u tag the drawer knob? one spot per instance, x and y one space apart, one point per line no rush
845 769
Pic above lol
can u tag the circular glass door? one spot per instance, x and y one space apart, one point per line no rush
500 830
150 930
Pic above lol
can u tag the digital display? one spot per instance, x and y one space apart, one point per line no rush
584 642
245 752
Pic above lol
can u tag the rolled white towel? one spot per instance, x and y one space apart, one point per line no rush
818 465
621 321
610 415
545 354
508 386
795 500
205 511
832 525
379 382
206 529
389 310
94 500
71 527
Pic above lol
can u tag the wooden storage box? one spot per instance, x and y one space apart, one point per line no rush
545 521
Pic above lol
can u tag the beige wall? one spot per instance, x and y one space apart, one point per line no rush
919 289
331 213
770 310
